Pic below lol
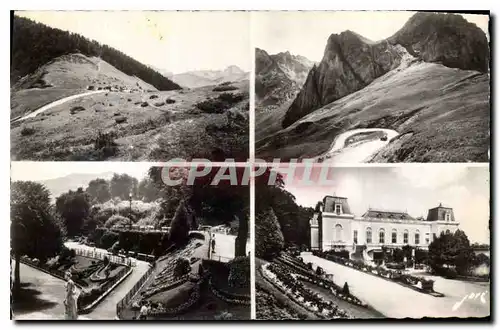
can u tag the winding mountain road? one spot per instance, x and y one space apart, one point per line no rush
56 103
359 152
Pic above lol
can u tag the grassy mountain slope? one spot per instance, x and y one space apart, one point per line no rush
34 44
442 114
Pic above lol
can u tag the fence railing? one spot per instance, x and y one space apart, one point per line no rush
121 260
122 304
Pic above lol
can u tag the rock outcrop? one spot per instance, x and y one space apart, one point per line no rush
279 77
351 62
445 38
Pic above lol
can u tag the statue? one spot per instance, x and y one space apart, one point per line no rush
70 304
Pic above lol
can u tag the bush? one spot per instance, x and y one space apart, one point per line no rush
116 220
144 104
153 97
76 109
106 260
239 272
120 119
224 88
181 267
159 104
319 271
25 131
218 105
345 289
105 144
108 239
395 265
169 101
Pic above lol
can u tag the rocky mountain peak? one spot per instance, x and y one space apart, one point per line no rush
351 62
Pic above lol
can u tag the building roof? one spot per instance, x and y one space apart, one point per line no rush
386 214
330 201
439 213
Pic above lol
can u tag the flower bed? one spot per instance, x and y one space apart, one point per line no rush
229 297
416 282
311 277
280 277
159 288
160 310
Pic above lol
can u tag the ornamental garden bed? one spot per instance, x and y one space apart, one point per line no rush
280 278
416 283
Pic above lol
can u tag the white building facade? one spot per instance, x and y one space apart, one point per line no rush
334 227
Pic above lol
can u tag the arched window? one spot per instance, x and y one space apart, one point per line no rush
338 233
417 237
381 236
368 235
394 236
405 236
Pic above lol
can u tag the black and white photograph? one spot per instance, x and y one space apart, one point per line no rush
374 242
104 241
372 86
129 85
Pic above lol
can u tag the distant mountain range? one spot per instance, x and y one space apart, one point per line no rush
58 186
279 77
194 79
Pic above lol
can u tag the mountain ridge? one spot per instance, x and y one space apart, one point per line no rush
351 62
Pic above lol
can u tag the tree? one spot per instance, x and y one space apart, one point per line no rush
98 191
121 185
269 239
179 230
147 190
34 230
451 250
108 239
74 207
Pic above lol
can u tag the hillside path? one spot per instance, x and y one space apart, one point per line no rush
56 103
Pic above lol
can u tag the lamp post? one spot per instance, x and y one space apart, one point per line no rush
130 210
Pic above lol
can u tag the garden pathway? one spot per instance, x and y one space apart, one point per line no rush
396 301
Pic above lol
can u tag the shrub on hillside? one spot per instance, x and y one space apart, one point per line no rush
25 131
218 105
104 144
153 97
76 109
224 88
169 101
120 119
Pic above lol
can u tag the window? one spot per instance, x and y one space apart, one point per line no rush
427 240
381 236
368 235
394 236
448 217
355 237
405 237
417 237
338 208
338 233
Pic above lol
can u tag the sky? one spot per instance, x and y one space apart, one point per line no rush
170 41
414 188
306 33
40 171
